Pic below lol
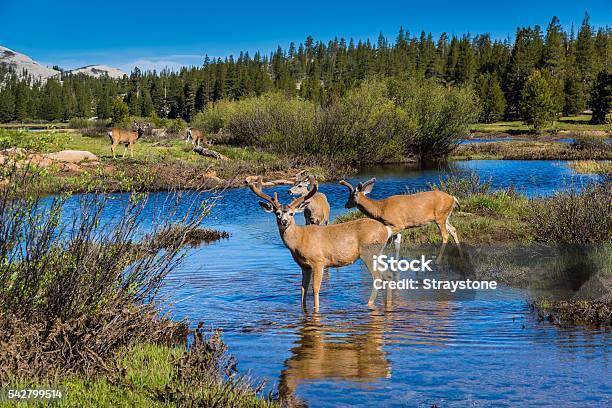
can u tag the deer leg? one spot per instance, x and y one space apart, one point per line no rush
444 233
124 150
316 284
113 150
453 233
398 243
306 274
132 150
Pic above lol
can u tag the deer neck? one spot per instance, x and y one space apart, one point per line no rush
291 236
369 207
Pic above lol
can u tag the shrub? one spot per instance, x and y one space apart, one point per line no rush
42 142
363 126
73 293
437 117
214 117
78 123
575 217
177 127
462 185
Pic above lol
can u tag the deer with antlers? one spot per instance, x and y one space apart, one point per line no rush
126 137
316 209
404 211
316 247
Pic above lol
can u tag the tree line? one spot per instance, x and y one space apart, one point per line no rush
553 68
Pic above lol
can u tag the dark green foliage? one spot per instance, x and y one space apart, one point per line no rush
492 98
601 97
120 112
538 103
323 72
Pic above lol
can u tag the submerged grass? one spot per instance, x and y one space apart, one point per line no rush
592 167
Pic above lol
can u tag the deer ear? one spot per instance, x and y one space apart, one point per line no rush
267 207
367 189
300 208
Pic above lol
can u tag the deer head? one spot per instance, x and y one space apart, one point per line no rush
141 129
300 186
354 193
284 213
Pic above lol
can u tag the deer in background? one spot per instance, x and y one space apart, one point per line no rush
126 137
316 209
405 211
316 247
196 136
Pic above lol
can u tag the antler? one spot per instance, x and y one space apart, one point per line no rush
346 184
256 188
314 186
367 183
298 176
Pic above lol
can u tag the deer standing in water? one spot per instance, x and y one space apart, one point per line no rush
126 137
316 247
316 209
405 211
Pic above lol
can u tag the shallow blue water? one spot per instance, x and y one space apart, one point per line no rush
491 351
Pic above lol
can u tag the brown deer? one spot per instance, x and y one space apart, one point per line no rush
316 209
196 136
404 211
126 137
316 247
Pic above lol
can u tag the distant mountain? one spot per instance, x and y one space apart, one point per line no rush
20 63
98 71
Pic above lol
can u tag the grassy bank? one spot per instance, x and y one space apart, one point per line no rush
159 164
534 150
78 303
580 123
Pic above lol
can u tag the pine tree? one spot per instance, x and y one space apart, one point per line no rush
492 99
7 105
537 101
553 56
601 98
120 113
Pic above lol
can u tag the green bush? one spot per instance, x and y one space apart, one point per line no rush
42 142
437 116
214 117
575 217
79 123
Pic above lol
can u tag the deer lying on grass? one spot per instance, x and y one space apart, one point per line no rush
315 247
404 211
316 209
196 136
126 137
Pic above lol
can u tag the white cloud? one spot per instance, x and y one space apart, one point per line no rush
172 62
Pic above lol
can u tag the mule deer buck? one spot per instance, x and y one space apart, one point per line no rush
316 209
196 136
404 211
315 247
126 137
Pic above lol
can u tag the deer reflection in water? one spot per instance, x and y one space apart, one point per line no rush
337 346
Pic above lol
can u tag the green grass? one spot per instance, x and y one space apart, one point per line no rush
573 123
147 376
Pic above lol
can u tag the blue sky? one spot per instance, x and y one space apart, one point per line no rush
154 34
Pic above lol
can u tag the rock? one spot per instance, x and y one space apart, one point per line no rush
72 156
13 151
251 179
